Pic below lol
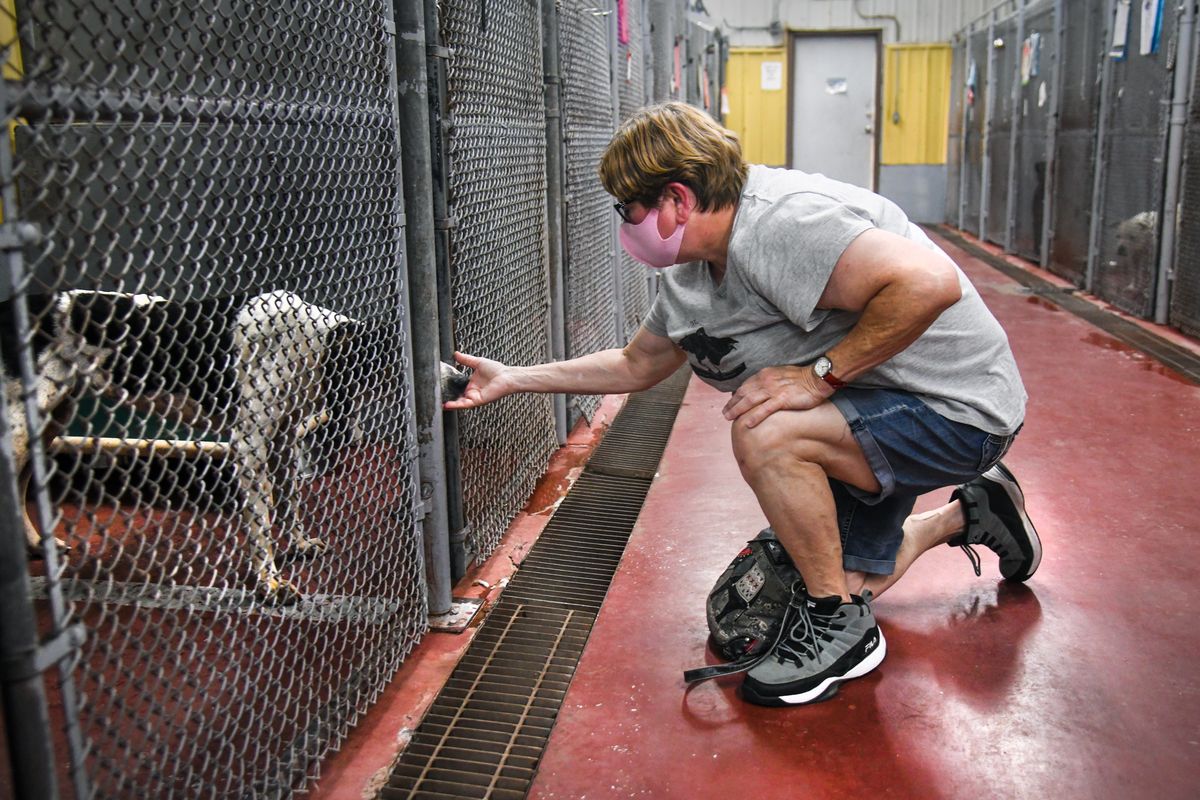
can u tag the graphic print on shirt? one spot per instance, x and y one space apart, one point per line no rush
712 349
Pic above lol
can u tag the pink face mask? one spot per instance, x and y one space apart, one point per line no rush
643 242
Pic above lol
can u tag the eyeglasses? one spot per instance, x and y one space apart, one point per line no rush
623 210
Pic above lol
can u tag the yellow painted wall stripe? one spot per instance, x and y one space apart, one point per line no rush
916 104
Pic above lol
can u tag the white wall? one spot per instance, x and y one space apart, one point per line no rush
920 20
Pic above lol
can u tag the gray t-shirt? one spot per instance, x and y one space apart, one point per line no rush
788 234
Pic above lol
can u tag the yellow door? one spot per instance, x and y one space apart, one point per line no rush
916 104
756 95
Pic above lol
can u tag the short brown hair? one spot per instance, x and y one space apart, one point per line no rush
673 142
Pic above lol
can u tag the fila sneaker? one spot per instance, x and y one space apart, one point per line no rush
994 509
827 643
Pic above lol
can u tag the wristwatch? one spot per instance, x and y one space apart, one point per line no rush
823 369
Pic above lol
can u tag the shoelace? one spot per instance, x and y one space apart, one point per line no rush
810 634
807 639
973 556
988 541
796 605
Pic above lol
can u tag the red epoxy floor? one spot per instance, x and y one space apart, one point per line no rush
1080 685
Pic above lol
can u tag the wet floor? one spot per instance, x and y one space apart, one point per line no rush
1079 684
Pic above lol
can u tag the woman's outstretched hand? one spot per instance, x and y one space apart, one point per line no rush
489 382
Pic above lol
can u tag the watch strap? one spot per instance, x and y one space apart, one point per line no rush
830 378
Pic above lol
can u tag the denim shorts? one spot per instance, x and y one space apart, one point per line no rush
912 450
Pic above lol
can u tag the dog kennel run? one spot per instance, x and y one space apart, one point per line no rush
237 242
1068 131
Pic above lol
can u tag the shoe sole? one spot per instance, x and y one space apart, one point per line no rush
825 689
1000 476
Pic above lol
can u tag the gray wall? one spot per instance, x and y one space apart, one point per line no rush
747 23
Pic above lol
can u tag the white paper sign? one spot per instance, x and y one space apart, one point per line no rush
772 76
1120 30
1151 15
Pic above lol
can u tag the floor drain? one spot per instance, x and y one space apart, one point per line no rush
484 735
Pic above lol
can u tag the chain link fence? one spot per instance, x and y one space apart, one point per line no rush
1006 49
1075 155
209 465
1033 110
500 292
589 118
669 46
1139 95
633 61
1086 92
206 384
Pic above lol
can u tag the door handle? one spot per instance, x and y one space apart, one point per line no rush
868 129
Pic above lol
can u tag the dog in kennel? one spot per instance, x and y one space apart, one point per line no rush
253 368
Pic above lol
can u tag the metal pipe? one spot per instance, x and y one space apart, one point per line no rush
1176 134
416 157
649 96
892 18
555 196
614 243
1014 150
723 76
989 103
1052 122
439 129
402 294
962 140
1100 173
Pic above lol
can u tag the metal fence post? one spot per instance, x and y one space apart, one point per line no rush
1052 124
26 713
1010 219
61 640
555 197
962 140
413 99
403 294
439 124
989 104
1177 133
615 260
1099 177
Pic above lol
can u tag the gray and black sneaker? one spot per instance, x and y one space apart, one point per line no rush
828 642
994 510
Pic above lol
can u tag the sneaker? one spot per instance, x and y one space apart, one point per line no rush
829 642
994 508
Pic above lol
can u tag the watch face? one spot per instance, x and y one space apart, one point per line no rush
822 366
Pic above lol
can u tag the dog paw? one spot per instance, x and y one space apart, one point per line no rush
35 549
304 547
277 592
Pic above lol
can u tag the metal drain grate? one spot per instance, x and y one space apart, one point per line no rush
485 732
